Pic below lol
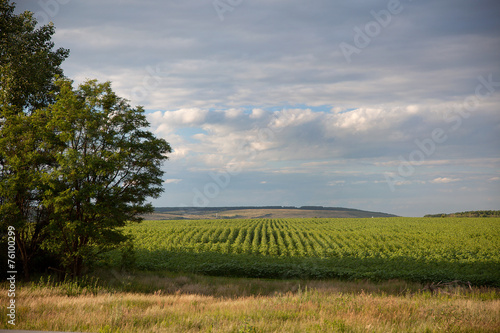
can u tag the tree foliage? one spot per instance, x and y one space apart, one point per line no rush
75 164
28 66
28 61
107 165
475 213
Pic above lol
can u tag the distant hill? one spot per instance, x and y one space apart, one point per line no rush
475 213
244 212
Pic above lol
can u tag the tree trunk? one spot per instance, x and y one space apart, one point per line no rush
23 255
77 267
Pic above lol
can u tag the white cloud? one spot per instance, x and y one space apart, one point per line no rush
444 180
318 139
178 153
172 181
293 117
233 113
257 113
166 122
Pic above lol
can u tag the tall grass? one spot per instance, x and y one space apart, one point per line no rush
148 302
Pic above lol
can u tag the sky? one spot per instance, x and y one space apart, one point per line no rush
389 106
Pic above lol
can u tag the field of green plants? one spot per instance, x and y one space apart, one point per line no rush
416 249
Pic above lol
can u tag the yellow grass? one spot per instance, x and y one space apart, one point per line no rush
204 305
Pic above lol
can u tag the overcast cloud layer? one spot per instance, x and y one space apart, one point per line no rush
378 105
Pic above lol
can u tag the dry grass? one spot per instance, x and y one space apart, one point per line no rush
203 304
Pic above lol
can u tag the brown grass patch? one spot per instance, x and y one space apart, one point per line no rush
204 304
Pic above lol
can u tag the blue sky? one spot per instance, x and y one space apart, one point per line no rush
389 106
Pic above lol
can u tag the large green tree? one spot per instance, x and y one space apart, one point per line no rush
75 164
28 67
28 61
107 165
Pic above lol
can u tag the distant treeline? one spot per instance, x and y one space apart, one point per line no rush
476 213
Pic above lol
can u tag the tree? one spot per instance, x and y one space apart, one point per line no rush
28 67
26 159
28 63
75 165
106 166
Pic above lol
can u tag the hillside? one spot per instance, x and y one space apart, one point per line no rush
476 213
174 213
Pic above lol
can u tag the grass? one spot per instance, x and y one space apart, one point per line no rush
113 301
385 265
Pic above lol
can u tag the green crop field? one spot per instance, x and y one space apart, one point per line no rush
416 249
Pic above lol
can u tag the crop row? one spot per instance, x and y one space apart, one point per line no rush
324 238
428 249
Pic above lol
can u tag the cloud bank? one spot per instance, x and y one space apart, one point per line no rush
262 104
